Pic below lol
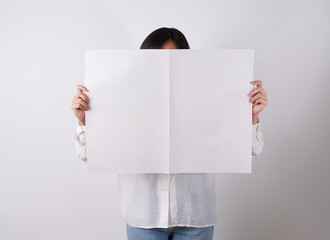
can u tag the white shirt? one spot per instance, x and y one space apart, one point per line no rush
167 200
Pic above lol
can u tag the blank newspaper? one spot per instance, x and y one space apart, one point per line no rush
169 110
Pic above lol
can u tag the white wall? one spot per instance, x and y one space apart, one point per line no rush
46 192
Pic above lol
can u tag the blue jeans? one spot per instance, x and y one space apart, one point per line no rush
173 233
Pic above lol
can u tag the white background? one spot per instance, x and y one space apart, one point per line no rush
46 192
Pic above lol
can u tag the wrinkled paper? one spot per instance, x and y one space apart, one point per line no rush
169 111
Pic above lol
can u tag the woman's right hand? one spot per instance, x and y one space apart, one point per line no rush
80 104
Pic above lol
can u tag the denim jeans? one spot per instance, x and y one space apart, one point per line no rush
173 233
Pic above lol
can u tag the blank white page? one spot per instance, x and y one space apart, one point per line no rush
169 111
127 126
210 116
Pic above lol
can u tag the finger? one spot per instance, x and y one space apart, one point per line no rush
254 91
262 97
77 105
255 97
82 102
261 101
76 97
83 96
258 83
82 88
263 92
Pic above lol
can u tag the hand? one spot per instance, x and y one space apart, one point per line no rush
80 104
258 98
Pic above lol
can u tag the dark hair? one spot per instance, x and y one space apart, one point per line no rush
157 38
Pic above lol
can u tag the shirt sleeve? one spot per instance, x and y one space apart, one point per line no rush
257 140
80 142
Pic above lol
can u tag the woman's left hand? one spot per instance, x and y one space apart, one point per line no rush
258 98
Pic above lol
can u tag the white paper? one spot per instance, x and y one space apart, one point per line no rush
169 111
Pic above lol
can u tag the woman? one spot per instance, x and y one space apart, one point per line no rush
168 206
